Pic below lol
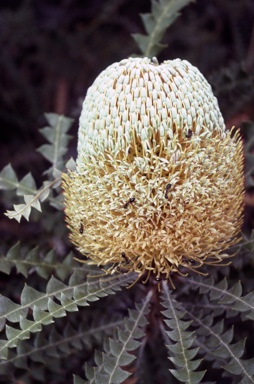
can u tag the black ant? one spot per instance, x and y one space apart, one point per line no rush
120 267
168 186
125 258
130 201
81 228
189 134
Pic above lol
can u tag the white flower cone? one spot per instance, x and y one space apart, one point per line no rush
159 181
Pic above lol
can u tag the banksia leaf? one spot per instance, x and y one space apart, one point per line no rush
56 134
9 181
230 297
117 350
44 308
32 201
219 343
8 178
182 345
164 13
46 349
27 261
78 380
54 152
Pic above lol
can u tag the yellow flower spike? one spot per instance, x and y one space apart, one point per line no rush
159 181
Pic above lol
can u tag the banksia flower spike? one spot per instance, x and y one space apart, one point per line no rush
159 180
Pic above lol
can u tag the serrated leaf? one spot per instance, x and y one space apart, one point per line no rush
221 293
24 210
39 303
10 310
33 202
4 351
164 13
190 377
47 151
183 353
57 344
28 261
68 303
19 211
41 316
57 175
8 178
14 252
78 380
56 134
218 344
5 266
71 165
14 335
26 185
56 309
31 297
116 355
45 190
56 287
29 325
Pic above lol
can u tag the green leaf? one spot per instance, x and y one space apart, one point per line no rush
56 134
26 185
27 262
116 355
71 165
30 297
8 178
182 349
14 335
42 317
10 311
32 201
216 339
164 13
228 297
78 380
29 325
44 308
55 345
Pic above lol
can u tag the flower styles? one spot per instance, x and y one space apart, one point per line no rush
159 181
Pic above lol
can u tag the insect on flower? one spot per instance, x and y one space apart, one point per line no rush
125 258
130 201
189 134
168 186
81 228
186 260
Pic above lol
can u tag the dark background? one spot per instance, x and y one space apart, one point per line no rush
52 50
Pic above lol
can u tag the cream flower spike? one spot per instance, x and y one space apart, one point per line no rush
159 181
